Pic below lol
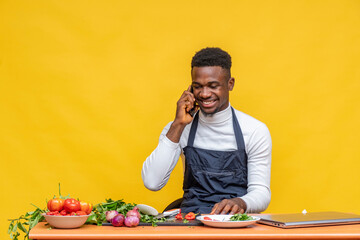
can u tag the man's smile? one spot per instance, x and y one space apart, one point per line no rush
207 103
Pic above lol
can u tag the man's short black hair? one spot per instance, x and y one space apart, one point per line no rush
211 57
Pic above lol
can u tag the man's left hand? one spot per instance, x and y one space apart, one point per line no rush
232 206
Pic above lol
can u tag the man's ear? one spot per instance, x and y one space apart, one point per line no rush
231 83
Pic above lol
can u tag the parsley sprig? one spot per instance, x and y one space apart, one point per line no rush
241 217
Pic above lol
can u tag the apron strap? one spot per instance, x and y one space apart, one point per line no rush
238 133
193 130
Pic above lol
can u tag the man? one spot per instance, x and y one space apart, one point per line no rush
226 153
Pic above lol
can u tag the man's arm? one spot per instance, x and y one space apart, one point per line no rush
158 166
259 165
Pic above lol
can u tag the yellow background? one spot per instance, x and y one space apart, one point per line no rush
87 86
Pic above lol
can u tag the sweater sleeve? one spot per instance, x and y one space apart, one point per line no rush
158 166
258 194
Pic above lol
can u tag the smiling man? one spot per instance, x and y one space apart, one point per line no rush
226 153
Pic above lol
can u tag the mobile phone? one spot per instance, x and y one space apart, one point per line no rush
194 109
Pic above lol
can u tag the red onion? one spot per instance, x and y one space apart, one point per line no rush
131 221
118 220
134 212
110 215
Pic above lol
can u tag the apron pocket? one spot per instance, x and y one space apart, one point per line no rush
218 182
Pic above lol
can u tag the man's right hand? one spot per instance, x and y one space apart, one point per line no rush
183 117
184 105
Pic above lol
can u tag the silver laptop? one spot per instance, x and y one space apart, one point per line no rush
293 220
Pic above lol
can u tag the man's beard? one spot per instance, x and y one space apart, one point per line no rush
210 114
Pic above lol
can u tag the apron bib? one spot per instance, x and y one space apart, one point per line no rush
211 176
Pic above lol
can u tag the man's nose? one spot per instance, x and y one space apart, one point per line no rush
205 93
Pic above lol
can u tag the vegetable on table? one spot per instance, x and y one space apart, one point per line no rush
66 206
190 216
25 223
86 207
131 221
58 206
118 220
98 216
134 212
241 217
55 204
71 205
110 215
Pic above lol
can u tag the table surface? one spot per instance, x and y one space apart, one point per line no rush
256 231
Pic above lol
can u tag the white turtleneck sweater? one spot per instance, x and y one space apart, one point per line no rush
216 133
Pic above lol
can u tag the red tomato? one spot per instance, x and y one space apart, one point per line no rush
55 204
179 216
73 214
207 218
86 207
63 212
79 213
71 205
190 216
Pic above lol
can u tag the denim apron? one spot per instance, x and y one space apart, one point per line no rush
211 176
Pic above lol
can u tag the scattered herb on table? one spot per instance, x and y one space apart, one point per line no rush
241 217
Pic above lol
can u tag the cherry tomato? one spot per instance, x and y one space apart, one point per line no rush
50 213
55 204
179 216
73 214
86 207
80 213
63 212
190 216
71 205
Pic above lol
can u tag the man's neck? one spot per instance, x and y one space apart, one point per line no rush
218 117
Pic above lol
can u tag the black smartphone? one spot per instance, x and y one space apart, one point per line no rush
194 109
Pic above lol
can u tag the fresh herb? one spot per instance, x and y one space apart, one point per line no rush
98 216
185 221
241 217
25 223
151 219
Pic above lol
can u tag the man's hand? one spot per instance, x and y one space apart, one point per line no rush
231 206
184 105
182 118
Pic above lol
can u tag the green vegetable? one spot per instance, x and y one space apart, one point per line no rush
241 217
25 223
98 216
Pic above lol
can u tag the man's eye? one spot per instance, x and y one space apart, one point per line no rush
213 86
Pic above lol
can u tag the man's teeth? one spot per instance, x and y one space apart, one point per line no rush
208 102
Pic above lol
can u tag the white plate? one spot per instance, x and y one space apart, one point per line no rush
223 221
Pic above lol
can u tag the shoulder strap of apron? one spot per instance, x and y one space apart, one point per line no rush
237 130
193 130
238 133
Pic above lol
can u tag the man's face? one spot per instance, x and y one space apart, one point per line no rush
211 86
